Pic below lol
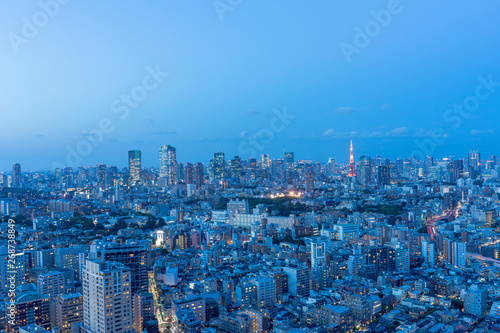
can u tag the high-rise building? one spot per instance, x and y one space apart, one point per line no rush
134 165
107 302
459 254
381 256
134 256
68 257
474 163
429 252
199 175
265 161
168 164
16 175
219 166
51 284
318 253
266 292
236 167
68 310
384 175
298 280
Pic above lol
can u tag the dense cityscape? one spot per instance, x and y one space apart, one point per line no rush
269 244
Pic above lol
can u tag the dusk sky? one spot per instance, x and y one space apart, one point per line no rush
228 70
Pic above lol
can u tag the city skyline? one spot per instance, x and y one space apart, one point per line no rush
162 161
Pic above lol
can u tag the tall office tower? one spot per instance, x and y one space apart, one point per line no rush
318 253
199 175
474 163
429 162
144 310
51 283
384 175
16 175
189 174
278 169
101 173
82 176
352 166
168 164
458 169
219 166
134 165
309 180
32 308
265 162
134 256
429 252
266 292
298 280
289 160
475 301
68 310
107 302
236 167
181 172
459 254
331 167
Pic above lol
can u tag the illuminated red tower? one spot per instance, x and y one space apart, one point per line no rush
352 168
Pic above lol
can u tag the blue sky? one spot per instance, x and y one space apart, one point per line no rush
225 78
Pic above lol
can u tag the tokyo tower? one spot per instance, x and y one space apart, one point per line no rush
352 168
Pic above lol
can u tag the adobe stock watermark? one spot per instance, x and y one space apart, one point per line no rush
364 36
455 116
256 142
122 107
224 6
32 26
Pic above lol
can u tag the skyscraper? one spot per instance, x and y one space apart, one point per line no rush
236 167
199 175
219 166
134 165
168 164
265 161
16 175
474 163
384 175
107 301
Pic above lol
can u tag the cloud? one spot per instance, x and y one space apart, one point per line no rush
396 132
40 135
437 132
399 131
242 134
164 132
252 112
384 106
329 132
481 132
344 109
